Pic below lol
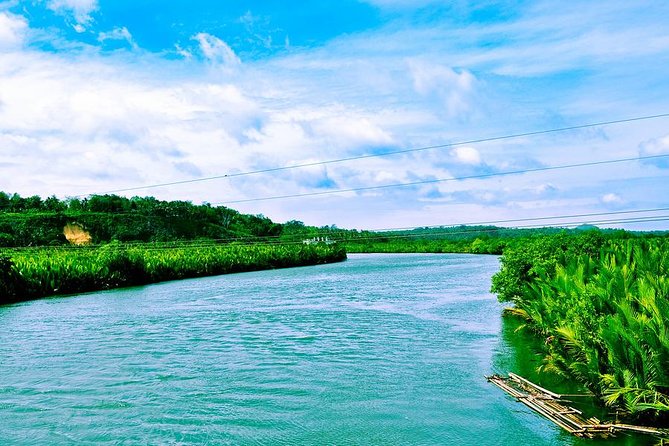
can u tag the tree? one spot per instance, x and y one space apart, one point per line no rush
4 202
53 204
17 203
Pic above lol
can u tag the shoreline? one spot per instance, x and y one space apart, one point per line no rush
43 273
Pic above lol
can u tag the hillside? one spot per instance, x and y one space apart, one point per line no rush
35 222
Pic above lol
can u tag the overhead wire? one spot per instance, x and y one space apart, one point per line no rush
383 237
430 181
322 233
442 180
387 153
447 230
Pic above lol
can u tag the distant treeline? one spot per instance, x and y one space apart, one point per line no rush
600 302
462 239
33 221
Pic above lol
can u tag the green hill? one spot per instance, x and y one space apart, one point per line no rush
35 222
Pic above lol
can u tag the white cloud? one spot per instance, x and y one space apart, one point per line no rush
119 33
349 130
453 87
466 155
90 122
80 9
545 188
93 119
611 198
656 147
217 51
183 52
12 30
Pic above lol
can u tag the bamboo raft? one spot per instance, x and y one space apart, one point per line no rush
550 405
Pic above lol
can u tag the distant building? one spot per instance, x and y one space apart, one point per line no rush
317 240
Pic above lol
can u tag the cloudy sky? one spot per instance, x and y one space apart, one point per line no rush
101 95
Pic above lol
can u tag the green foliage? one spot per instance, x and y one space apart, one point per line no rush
475 246
33 273
482 240
33 222
528 258
603 307
11 281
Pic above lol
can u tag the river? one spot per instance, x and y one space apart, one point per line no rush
378 350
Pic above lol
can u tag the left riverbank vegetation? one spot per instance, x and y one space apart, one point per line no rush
33 273
601 304
54 246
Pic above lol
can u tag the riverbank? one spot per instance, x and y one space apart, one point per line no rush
426 246
27 274
601 307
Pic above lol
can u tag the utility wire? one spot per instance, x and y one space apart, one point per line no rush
442 180
624 221
346 236
517 220
323 233
389 153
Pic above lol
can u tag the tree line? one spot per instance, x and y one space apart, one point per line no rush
32 221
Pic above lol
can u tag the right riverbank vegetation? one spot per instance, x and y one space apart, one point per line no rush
53 246
601 303
598 299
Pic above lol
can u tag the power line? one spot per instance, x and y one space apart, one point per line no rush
656 218
517 220
624 221
469 227
389 153
266 238
442 180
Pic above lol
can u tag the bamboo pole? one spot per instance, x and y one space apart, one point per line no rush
534 386
548 404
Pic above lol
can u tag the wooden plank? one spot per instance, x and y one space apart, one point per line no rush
641 429
534 386
548 404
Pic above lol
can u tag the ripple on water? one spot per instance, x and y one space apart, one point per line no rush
382 349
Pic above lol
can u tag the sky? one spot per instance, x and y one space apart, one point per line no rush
102 95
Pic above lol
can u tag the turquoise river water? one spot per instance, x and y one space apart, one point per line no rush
378 350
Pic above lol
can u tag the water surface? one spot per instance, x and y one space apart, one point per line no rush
379 350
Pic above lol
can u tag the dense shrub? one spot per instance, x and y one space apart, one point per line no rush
604 313
32 273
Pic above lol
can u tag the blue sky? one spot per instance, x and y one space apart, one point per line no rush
98 95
